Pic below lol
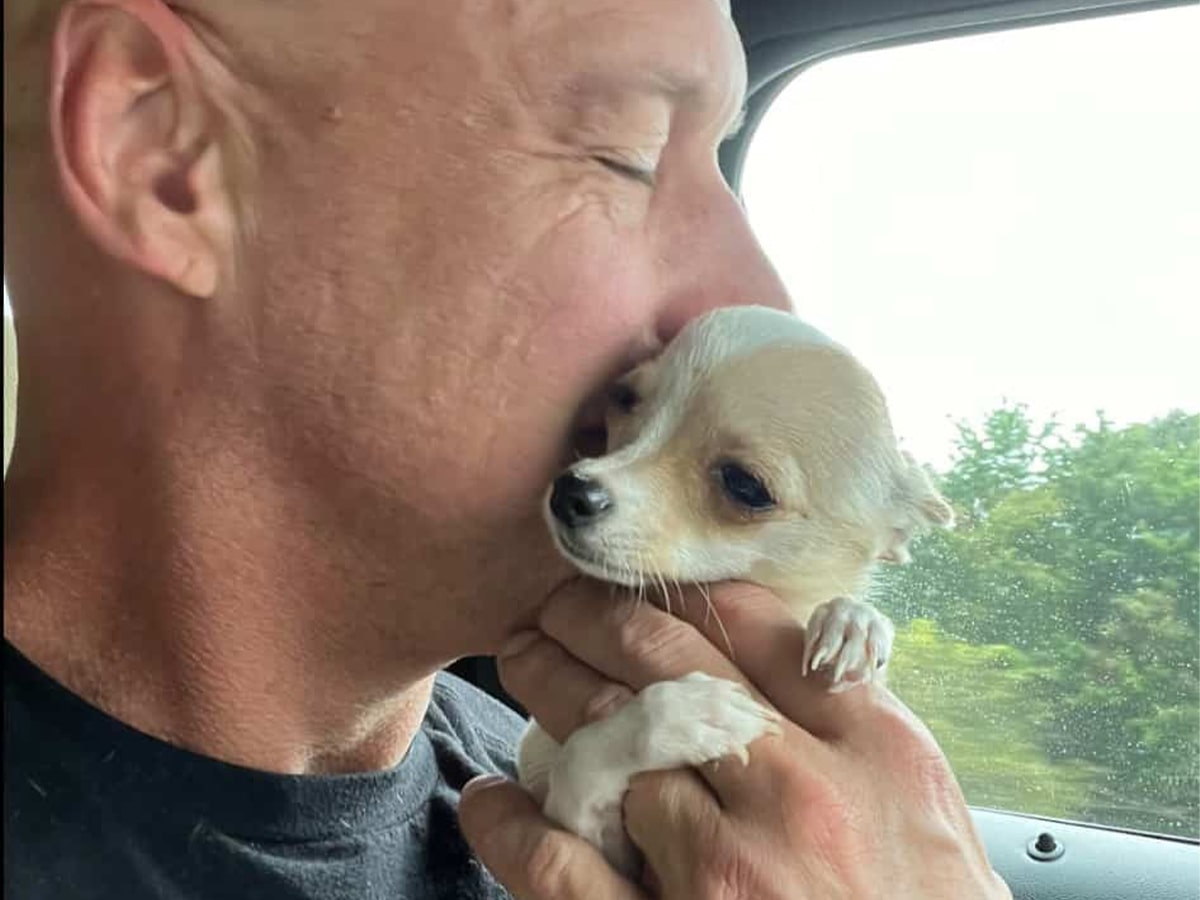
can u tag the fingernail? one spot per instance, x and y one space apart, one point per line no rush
479 782
517 643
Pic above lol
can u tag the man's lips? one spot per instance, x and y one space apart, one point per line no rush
590 442
589 436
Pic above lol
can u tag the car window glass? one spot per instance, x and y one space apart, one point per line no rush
1004 227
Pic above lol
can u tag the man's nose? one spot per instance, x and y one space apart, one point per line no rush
717 262
576 501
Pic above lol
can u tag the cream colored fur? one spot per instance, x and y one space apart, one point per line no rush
762 389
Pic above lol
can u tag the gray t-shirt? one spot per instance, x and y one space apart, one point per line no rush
95 809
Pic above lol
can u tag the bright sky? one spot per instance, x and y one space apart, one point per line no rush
1013 215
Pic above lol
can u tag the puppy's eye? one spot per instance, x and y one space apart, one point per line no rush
743 488
623 397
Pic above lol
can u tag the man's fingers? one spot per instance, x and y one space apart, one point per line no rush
638 644
632 642
580 694
670 816
529 856
768 646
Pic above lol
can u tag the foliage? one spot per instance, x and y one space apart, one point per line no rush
975 698
1070 594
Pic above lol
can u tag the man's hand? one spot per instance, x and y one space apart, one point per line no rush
855 800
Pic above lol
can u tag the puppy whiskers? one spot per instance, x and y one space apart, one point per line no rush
662 587
641 579
711 610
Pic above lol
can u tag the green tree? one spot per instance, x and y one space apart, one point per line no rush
978 702
1080 551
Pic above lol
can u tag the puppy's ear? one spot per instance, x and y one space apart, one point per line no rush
643 378
918 508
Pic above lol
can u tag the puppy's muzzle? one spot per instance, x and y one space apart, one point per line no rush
577 502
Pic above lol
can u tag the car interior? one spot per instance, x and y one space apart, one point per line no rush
1041 858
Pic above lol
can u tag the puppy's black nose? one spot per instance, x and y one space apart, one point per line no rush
579 501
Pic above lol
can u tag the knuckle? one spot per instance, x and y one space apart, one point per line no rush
722 865
929 772
831 829
534 665
606 701
738 597
548 864
817 806
658 637
801 782
728 875
799 788
913 750
655 799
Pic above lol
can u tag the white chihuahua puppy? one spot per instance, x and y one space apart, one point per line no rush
753 448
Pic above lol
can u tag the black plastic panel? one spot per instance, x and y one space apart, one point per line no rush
1096 863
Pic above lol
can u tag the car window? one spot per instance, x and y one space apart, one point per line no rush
1005 227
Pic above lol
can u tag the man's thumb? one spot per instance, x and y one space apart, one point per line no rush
527 853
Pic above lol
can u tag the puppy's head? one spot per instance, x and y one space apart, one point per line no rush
753 448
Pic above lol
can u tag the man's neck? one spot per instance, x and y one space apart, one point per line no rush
202 611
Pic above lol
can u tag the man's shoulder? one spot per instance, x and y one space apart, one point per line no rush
485 729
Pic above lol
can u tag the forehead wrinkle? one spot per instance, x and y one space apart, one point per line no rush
593 56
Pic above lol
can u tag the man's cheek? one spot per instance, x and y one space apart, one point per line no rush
598 274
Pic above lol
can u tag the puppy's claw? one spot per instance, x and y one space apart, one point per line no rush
813 638
818 658
840 669
851 637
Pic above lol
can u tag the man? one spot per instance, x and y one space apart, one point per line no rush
307 294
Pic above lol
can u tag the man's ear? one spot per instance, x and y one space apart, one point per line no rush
135 144
918 508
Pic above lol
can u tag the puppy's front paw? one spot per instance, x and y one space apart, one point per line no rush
849 640
698 719
689 721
